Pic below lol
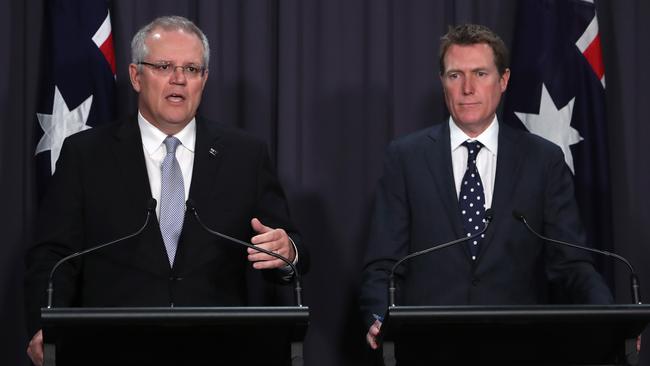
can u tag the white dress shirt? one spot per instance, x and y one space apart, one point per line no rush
155 151
486 161
154 154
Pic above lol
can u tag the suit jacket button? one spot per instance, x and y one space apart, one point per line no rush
475 281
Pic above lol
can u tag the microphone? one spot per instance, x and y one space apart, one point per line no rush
489 213
634 279
151 208
297 287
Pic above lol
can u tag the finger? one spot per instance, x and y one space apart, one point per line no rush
374 331
271 264
272 235
263 257
35 353
258 227
274 246
35 348
372 341
29 353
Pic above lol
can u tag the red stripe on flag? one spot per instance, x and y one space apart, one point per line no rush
595 58
108 51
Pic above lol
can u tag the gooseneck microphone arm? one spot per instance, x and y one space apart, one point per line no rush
391 279
297 286
634 279
151 208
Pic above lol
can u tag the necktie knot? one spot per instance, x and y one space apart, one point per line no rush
473 147
171 143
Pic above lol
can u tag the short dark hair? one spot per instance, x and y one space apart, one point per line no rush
470 34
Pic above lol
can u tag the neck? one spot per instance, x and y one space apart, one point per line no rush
474 130
167 128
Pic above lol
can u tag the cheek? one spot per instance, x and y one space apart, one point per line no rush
196 95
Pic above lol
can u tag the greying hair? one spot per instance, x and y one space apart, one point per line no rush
169 23
470 34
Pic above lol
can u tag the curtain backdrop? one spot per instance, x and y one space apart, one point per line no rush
327 83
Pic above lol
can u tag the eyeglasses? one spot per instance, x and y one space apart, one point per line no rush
166 69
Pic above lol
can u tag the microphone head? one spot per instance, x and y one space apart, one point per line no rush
190 205
489 214
518 215
151 204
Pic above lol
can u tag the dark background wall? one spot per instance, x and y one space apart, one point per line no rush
327 83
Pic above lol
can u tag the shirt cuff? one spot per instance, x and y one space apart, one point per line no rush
287 270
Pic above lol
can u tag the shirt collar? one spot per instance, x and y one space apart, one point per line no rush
152 137
489 138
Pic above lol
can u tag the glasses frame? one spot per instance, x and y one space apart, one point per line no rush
156 68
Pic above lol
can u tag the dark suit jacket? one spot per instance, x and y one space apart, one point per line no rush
100 192
417 207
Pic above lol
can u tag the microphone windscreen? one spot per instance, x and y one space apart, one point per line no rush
151 205
518 215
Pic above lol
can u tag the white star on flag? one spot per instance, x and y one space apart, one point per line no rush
553 124
62 123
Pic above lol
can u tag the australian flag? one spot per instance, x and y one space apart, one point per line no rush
557 90
77 79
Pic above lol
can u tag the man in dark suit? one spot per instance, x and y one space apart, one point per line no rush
106 176
438 183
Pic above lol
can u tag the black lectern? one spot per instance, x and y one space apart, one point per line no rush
174 336
514 335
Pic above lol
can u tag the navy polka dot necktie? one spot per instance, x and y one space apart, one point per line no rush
471 200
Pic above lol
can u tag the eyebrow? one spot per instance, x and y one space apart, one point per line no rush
171 62
472 70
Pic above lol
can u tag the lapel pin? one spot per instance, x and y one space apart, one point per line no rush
213 152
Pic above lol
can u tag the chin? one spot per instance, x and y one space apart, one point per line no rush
468 121
178 119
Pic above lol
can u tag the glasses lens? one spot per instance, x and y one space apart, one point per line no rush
166 69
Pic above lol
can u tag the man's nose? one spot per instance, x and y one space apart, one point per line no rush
178 75
468 85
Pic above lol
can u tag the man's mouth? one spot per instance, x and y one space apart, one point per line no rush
175 97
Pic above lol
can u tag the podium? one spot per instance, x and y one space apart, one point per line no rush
513 335
174 336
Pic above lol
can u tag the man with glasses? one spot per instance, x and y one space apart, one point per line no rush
106 177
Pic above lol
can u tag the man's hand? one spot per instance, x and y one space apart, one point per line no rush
35 349
373 334
275 240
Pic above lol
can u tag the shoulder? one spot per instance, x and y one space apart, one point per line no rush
231 143
415 140
529 144
97 137
227 134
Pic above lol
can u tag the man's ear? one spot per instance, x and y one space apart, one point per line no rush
504 80
135 77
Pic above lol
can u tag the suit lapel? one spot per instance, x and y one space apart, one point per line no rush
130 162
438 156
132 169
208 154
509 161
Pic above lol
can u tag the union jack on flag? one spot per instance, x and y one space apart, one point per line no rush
78 76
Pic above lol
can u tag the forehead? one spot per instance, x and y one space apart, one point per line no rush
469 57
174 45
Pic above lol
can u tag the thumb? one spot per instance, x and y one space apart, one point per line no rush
258 227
